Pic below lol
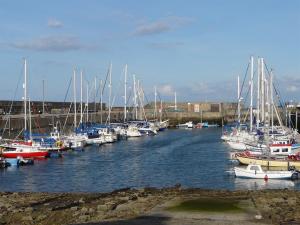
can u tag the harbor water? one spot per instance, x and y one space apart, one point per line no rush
193 158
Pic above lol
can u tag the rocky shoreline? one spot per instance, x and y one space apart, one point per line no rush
148 206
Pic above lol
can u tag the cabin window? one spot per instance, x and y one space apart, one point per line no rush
275 150
254 168
285 150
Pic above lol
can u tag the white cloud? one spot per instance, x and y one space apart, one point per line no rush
54 23
52 43
152 28
166 89
161 26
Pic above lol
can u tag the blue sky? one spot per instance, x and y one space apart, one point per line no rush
194 47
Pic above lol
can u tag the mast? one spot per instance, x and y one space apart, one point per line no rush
95 96
175 99
125 93
155 107
251 94
109 97
25 94
239 98
43 96
74 92
160 111
134 97
262 90
101 100
30 125
81 100
258 94
272 101
87 102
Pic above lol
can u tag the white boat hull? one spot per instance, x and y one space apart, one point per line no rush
244 173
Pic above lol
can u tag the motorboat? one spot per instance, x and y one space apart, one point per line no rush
256 172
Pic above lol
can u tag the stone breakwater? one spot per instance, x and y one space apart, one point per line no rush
148 206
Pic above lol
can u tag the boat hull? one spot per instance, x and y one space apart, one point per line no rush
41 154
243 173
268 162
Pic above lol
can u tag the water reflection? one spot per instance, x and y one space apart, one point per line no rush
259 184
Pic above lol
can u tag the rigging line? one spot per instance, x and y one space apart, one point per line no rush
277 92
66 95
245 76
12 102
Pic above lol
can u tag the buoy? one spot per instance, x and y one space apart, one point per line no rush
266 177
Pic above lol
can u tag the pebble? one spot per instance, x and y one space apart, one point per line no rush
29 209
81 201
258 217
102 208
27 218
74 208
84 218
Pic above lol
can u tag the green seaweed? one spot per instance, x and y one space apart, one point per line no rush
208 205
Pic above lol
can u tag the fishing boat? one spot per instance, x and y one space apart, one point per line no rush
256 172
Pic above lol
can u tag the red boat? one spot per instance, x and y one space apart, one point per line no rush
25 152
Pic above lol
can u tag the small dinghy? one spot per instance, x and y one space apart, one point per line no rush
256 172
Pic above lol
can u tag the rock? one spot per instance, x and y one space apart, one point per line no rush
123 207
75 214
91 210
27 218
74 208
102 208
125 198
41 217
84 218
84 210
133 197
258 217
28 209
81 201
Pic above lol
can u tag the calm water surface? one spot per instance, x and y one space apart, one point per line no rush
193 158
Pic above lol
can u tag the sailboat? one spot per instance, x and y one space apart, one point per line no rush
24 149
75 141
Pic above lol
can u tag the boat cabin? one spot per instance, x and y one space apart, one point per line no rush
281 149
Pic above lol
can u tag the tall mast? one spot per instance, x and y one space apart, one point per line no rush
262 90
30 125
160 111
272 100
125 93
43 96
87 102
25 94
258 94
251 93
109 97
134 96
239 99
175 99
101 100
155 107
81 97
95 96
74 92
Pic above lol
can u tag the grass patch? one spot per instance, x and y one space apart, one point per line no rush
208 205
